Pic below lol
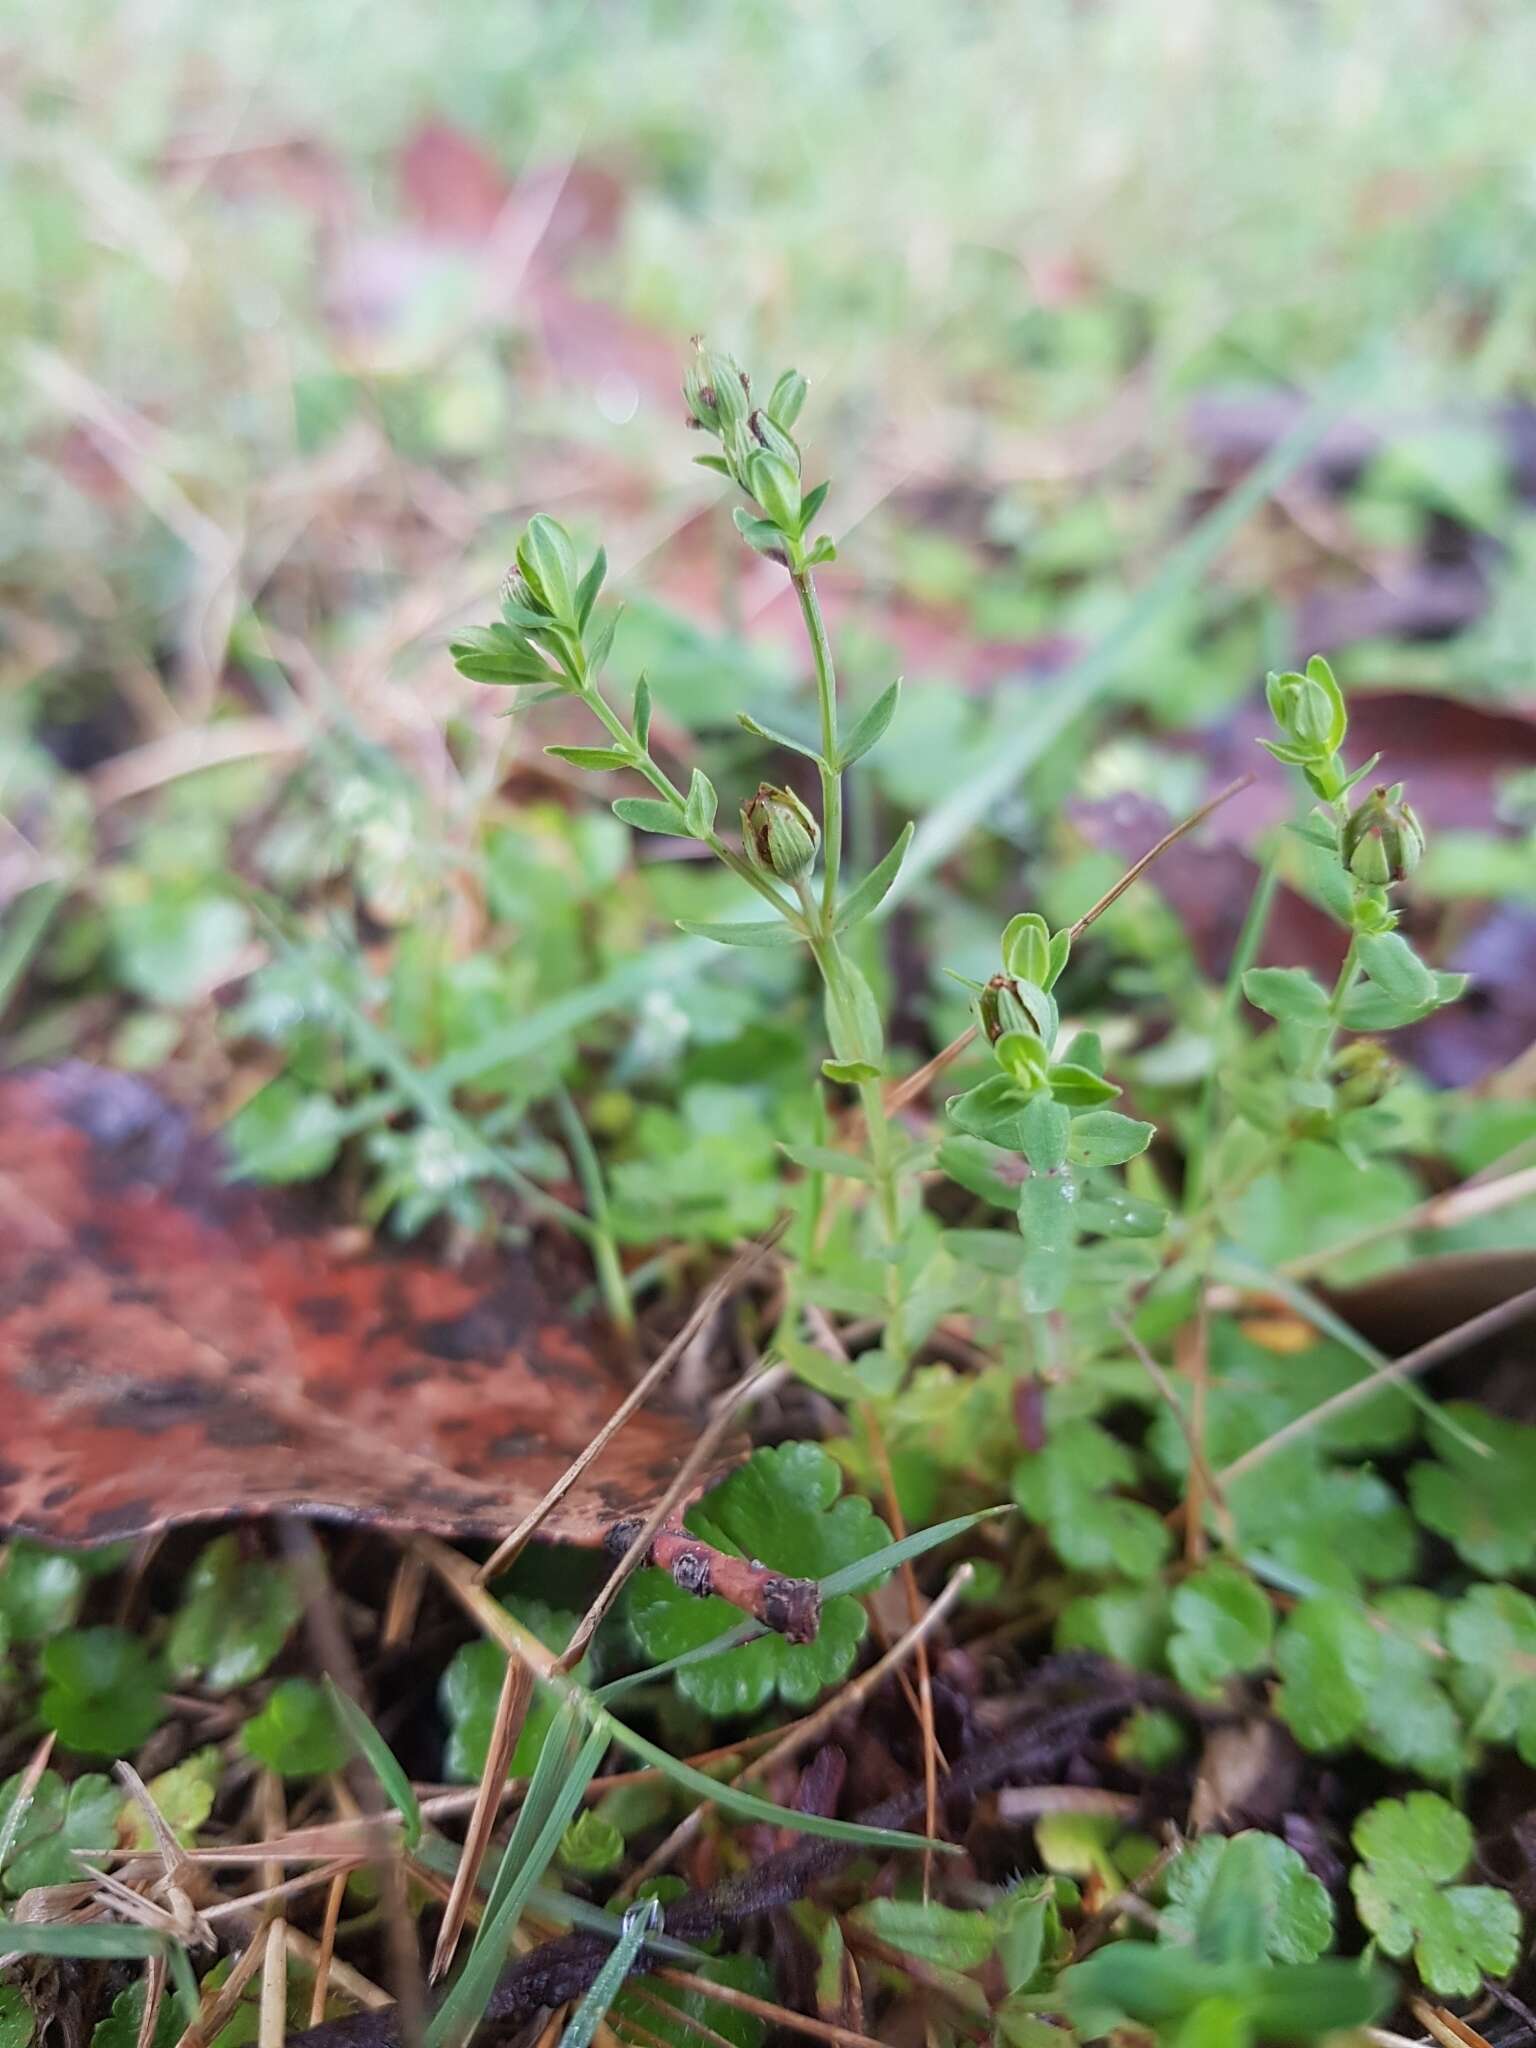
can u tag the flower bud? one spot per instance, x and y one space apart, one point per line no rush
779 832
1001 1010
776 488
1023 1057
516 591
1383 840
716 389
1309 709
1365 1070
1027 948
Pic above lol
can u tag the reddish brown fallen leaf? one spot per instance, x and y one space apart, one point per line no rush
174 1348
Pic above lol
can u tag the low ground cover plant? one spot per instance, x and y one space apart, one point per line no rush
1155 1489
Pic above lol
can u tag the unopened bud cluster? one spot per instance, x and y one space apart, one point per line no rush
1380 841
759 453
1383 840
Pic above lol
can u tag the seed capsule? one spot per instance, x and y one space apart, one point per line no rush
1383 839
779 832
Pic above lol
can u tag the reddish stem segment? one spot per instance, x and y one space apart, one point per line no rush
790 1607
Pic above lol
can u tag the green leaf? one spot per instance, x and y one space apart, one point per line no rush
871 892
770 932
589 586
59 1821
601 645
982 1169
653 2008
929 1932
1288 994
779 738
548 561
1293 1911
1127 1623
812 503
786 399
471 1687
591 1845
40 1591
1412 1850
370 1744
1412 1724
824 1159
759 534
1329 1660
103 1695
1047 1128
1491 1634
1223 1626
234 1617
702 802
850 1073
782 1507
642 714
1482 1505
184 1794
1368 1008
1396 969
992 1251
594 757
993 1110
1066 1487
297 1732
285 1132
173 946
17 2022
1106 1138
1078 1087
493 654
870 729
120 2028
650 814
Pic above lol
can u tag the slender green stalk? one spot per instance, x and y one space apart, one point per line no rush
831 773
668 791
604 1247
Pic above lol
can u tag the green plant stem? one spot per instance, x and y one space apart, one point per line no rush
831 774
667 790
603 1245
830 958
834 972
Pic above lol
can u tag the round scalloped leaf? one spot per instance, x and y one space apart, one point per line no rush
1329 1660
1413 1849
1296 1912
1223 1625
60 1820
783 1508
1491 1632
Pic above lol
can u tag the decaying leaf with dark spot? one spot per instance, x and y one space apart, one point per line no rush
175 1348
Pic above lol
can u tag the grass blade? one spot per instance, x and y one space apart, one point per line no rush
603 1989
381 1758
95 1940
732 1800
535 1838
